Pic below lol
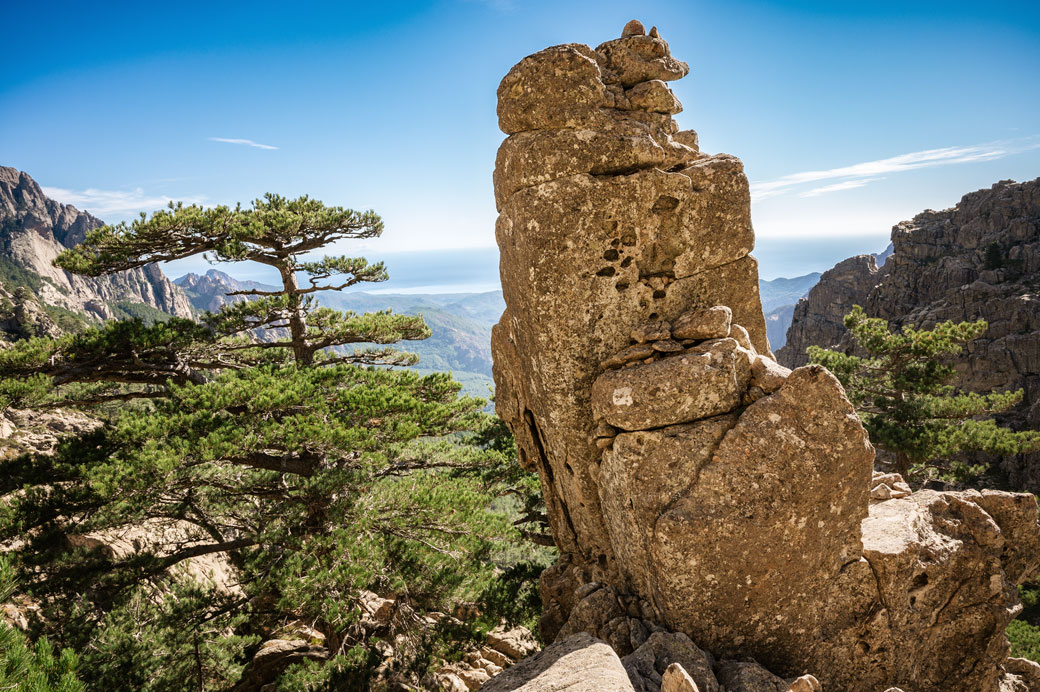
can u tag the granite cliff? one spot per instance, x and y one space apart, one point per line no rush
978 260
33 230
719 523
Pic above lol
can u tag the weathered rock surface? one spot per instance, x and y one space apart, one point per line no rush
749 677
710 323
381 618
977 260
35 228
676 679
772 518
806 683
1028 671
648 665
687 387
578 663
643 474
589 253
664 662
946 566
38 432
709 493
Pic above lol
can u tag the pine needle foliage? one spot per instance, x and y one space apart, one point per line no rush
308 475
902 389
26 668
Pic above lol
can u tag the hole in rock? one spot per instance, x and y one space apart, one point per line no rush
665 203
621 286
610 255
626 262
658 295
606 271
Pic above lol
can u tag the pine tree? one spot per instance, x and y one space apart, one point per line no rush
902 390
253 436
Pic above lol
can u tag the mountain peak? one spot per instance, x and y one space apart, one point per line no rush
218 275
36 228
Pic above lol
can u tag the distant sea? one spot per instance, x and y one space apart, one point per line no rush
475 270
791 257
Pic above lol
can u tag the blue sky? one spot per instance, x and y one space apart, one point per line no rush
849 116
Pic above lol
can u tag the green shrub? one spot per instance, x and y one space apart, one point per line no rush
1025 640
124 309
12 275
67 320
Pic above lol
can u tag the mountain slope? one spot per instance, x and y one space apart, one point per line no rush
34 229
778 299
777 293
461 322
461 325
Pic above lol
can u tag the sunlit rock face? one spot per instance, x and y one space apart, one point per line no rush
693 484
34 229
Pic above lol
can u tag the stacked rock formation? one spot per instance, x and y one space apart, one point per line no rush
610 218
693 485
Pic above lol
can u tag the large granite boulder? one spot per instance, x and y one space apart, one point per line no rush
594 245
696 488
576 664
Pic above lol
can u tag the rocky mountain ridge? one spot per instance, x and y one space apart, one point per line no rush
34 229
209 292
461 322
977 260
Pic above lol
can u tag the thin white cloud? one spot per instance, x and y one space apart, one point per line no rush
246 142
860 174
103 203
837 187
